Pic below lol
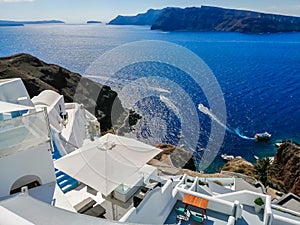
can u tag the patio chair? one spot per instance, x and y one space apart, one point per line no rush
180 211
197 218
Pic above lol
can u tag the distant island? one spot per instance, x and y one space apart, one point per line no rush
207 19
93 22
22 23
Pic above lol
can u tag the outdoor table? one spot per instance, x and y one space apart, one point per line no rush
196 201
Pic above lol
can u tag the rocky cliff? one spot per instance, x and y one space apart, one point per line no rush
219 19
178 157
239 165
284 173
209 19
38 76
147 18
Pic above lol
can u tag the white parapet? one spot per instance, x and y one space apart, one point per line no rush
10 218
215 204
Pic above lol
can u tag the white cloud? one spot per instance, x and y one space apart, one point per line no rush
12 1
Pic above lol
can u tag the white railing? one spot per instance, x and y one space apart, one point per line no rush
155 207
280 220
247 198
23 132
215 204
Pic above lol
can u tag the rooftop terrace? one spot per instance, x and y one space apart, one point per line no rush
211 217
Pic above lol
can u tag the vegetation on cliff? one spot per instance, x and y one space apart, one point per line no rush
261 169
284 173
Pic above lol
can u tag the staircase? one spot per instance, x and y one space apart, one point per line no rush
64 181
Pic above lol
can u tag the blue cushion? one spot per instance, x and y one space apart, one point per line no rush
197 218
180 211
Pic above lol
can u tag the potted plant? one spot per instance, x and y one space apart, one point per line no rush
258 204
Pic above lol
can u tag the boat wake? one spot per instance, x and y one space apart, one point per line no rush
206 111
170 105
236 131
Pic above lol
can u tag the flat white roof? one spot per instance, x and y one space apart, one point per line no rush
38 212
6 107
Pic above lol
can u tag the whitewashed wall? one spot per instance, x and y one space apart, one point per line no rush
36 161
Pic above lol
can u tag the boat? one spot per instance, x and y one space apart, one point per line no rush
227 157
230 157
262 136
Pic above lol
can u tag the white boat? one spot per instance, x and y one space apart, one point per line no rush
227 157
262 136
230 157
34 135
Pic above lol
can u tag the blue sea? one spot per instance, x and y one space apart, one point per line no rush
259 76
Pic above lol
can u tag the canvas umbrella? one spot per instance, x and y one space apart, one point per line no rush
107 162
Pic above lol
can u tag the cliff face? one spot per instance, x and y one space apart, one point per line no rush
284 173
147 18
179 157
38 76
219 19
239 166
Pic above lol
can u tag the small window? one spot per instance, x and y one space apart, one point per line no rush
30 181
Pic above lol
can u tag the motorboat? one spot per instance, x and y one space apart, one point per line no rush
227 157
262 136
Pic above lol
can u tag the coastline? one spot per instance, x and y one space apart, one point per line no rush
277 181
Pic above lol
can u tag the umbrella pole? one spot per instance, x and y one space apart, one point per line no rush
114 211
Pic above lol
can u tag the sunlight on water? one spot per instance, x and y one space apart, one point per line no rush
258 74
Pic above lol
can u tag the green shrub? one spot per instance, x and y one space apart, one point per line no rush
259 201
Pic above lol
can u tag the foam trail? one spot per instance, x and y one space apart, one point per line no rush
237 131
206 111
170 105
159 89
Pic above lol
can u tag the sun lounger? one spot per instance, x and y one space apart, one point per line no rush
96 211
84 205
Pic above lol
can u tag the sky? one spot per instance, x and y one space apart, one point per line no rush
79 11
